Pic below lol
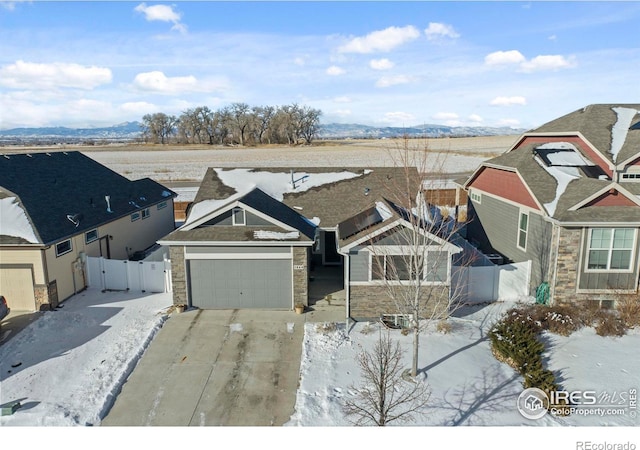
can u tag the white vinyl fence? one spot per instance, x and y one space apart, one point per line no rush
489 283
119 275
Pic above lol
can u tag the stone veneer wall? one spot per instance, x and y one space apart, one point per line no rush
301 275
41 293
178 275
566 281
369 302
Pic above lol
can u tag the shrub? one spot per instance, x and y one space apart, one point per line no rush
443 327
326 327
629 308
560 320
515 340
609 324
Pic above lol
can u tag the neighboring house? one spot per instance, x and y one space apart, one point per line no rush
57 208
253 236
567 197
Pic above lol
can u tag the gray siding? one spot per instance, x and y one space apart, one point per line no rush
359 265
605 280
225 219
494 227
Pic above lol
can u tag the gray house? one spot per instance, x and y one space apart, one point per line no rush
567 197
256 238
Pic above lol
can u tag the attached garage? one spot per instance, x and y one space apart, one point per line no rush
241 283
16 284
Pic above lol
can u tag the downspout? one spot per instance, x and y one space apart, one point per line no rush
555 266
347 283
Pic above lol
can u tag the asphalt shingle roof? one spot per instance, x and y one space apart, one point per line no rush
51 186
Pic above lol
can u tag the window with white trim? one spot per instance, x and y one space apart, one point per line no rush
135 216
406 268
145 213
90 236
610 249
63 247
239 216
162 205
475 196
631 176
523 227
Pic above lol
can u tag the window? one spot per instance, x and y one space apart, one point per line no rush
145 213
135 216
475 196
405 268
523 226
610 249
631 176
162 205
63 247
90 236
239 217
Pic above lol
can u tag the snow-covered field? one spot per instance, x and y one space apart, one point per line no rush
190 163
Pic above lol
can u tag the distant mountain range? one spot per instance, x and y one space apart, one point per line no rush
128 131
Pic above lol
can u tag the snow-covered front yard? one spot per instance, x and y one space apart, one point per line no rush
66 367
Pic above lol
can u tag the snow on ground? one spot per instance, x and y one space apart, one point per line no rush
66 367
468 385
73 361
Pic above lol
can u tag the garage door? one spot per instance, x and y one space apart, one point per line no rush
237 284
16 284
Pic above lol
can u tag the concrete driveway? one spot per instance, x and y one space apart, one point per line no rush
228 367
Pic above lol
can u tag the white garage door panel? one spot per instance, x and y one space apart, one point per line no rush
17 287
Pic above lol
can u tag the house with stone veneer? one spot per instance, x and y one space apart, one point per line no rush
567 197
57 208
255 238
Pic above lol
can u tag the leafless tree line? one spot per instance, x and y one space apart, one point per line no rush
237 123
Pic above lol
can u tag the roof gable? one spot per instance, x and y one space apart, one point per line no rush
506 184
259 203
330 194
66 193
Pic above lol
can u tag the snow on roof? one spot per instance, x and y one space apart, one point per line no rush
262 234
620 128
567 155
384 211
14 221
563 176
277 184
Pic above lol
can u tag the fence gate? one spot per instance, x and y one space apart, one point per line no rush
490 283
119 275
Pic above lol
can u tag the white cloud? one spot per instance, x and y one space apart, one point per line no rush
445 116
342 112
548 62
299 61
508 101
381 64
335 70
539 63
440 30
502 58
553 37
28 75
394 80
383 40
399 118
513 123
138 108
476 118
157 81
343 99
162 13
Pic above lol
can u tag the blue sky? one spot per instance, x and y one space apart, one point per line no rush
518 64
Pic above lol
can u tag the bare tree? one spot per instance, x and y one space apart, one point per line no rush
385 396
241 117
158 127
415 261
262 116
309 123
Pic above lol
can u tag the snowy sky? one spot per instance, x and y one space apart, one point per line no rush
520 64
